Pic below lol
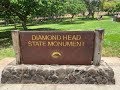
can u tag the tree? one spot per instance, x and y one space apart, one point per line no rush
21 8
74 7
51 9
92 7
117 7
57 8
43 9
4 13
109 6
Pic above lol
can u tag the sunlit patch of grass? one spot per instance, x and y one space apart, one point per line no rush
6 52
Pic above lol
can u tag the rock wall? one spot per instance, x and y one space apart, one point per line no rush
62 74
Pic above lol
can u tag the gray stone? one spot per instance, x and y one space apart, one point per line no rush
13 74
63 74
65 81
72 78
53 79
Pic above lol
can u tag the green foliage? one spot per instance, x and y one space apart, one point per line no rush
92 6
74 7
56 8
117 7
20 8
4 5
24 7
109 6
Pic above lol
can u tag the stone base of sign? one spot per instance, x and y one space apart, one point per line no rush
62 74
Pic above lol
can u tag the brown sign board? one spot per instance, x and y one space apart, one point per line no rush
56 47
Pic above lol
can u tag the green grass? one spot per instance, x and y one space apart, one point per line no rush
6 49
79 24
6 52
111 45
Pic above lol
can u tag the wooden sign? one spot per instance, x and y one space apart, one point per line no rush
56 47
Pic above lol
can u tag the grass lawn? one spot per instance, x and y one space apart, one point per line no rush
111 45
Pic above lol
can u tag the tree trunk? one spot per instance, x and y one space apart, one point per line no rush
14 20
24 25
108 13
24 20
6 21
93 14
83 14
72 17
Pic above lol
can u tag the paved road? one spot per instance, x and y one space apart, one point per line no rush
114 62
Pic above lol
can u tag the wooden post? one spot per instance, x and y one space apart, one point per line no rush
99 33
16 45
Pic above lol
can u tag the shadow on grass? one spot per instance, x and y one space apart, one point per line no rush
70 22
54 21
5 39
6 42
44 29
93 19
87 19
37 23
5 34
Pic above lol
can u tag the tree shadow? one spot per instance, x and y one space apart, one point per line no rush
44 29
6 42
49 21
87 19
93 19
71 22
43 22
5 34
5 39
